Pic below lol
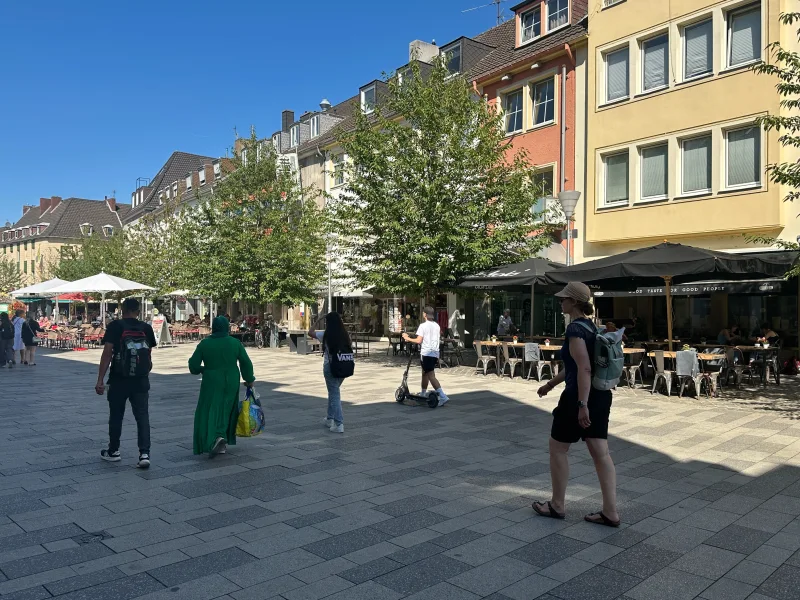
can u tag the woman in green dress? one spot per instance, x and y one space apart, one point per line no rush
219 358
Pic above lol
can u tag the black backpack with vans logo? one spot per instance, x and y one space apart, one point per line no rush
133 353
343 364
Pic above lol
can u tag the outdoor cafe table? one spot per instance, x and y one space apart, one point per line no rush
768 355
700 356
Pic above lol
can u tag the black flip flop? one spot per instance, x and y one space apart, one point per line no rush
551 512
604 519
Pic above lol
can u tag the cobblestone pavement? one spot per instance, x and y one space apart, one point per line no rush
409 503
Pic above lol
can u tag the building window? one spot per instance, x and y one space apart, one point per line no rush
513 111
175 189
314 126
368 99
531 22
25 245
25 266
189 182
33 244
294 136
654 171
617 75
655 63
244 157
33 267
544 102
543 181
217 171
276 142
108 230
616 178
557 13
87 229
338 169
698 50
452 59
696 165
201 175
744 35
743 157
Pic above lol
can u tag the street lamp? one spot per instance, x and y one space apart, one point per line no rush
569 200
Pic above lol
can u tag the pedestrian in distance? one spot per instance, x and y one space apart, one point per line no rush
29 330
19 347
429 338
336 344
127 346
220 359
6 341
582 412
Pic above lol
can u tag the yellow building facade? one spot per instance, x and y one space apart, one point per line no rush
672 148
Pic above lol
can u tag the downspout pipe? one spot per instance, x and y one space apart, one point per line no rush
563 116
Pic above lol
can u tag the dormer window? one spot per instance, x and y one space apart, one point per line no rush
175 189
189 181
294 136
314 123
87 229
276 142
108 230
452 59
557 13
133 199
531 24
217 170
33 230
368 99
201 175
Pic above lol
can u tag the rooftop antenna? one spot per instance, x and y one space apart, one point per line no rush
496 3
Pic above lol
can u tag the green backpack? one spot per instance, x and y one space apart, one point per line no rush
608 360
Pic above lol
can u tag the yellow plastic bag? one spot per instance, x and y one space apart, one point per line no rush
251 417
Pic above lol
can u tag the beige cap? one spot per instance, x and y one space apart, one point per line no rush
577 291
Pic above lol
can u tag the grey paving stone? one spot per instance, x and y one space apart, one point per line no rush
370 570
310 519
322 570
25 552
771 555
484 549
205 588
710 519
548 551
739 539
416 553
398 508
765 520
750 572
642 560
275 566
672 584
117 589
180 572
456 538
783 584
318 589
399 475
347 542
424 574
42 536
54 560
443 591
598 553
493 576
708 561
229 517
409 522
532 586
64 586
566 569
598 583
727 589
268 589
625 538
367 591
37 593
284 541
679 538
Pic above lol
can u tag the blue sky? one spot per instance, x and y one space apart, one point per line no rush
98 93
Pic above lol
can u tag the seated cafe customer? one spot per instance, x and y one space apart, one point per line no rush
767 335
729 336
505 325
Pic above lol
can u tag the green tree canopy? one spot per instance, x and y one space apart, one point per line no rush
256 239
90 255
10 276
432 191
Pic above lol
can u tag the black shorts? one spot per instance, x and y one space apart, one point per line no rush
429 363
566 428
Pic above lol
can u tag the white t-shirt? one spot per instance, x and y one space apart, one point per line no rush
430 332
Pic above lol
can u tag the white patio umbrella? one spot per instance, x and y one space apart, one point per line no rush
102 284
43 289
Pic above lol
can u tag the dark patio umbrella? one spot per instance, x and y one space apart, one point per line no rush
673 263
527 272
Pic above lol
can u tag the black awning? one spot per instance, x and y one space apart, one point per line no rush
524 273
699 288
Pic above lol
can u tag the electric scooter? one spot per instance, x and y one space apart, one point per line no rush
402 393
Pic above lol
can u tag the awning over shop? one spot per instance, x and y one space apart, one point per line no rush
699 288
527 272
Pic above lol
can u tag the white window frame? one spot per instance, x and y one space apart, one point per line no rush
314 125
108 230
606 54
338 169
294 136
547 12
522 40
604 183
460 58
708 18
753 6
642 44
506 114
201 175
188 182
681 193
752 184
533 85
640 151
551 169
364 108
175 189
217 170
276 142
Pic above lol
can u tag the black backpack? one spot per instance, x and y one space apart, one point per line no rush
133 353
342 364
7 331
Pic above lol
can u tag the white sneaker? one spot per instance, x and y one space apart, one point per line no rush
327 423
337 428
443 399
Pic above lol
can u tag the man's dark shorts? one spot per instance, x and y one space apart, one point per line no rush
429 363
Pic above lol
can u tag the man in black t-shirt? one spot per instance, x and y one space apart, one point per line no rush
123 387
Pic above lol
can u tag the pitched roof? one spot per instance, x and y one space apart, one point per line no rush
345 110
176 167
67 217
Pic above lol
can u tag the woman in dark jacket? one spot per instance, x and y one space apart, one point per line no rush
29 330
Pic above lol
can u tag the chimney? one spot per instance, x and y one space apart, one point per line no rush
26 208
287 118
54 201
112 203
44 204
422 51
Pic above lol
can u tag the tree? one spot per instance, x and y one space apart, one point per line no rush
10 276
433 191
786 68
256 239
92 254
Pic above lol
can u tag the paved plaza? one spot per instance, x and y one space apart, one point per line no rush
409 503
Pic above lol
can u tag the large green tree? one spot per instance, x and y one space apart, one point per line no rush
10 276
785 68
432 190
256 239
90 255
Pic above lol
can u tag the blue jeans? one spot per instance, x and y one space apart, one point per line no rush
334 396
